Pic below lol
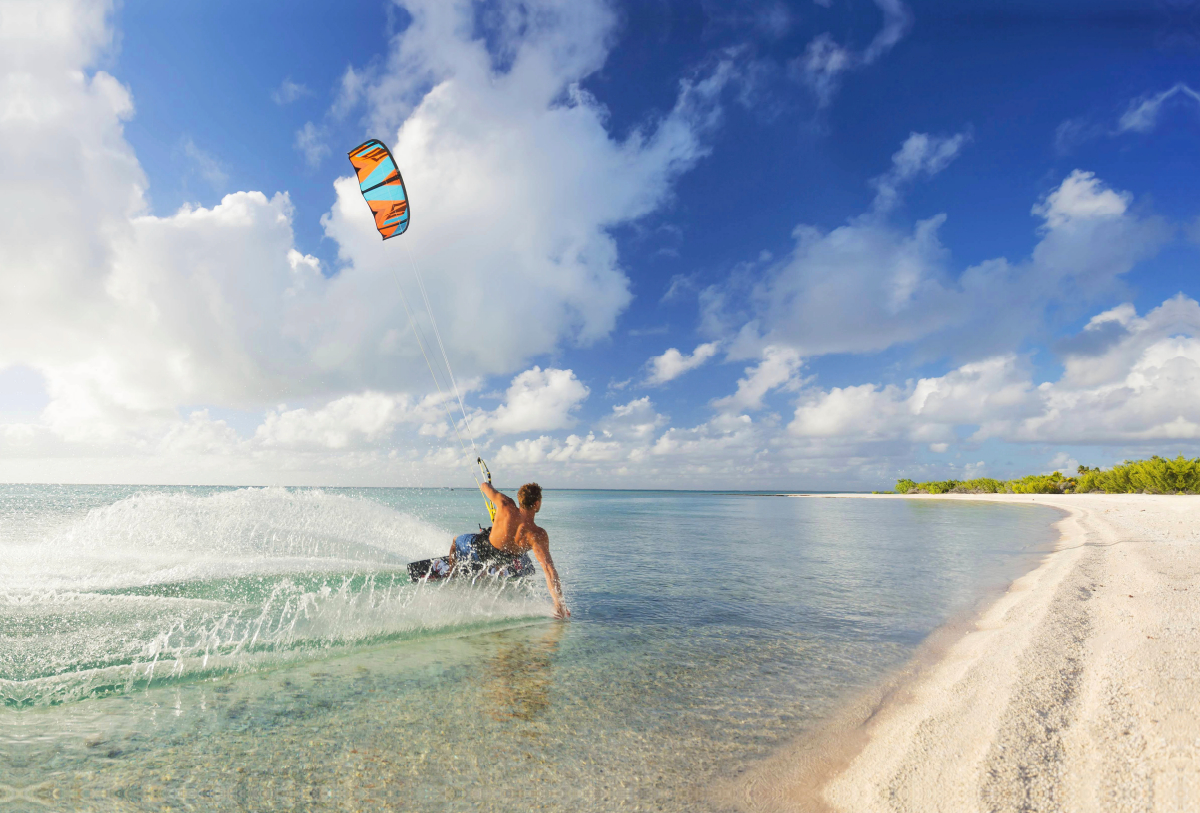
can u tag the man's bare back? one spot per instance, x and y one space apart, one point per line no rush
514 532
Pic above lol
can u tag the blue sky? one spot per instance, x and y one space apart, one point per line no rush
688 244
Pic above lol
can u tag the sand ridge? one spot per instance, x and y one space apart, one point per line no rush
1076 690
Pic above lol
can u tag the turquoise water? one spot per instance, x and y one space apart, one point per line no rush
263 648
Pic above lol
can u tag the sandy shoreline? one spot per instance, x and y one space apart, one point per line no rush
1075 690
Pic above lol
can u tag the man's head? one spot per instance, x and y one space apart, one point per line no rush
529 495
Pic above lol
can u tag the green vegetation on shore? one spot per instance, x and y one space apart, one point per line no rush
1158 475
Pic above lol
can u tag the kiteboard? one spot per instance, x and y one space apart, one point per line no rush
431 569
439 568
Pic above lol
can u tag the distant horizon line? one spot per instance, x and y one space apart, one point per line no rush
761 491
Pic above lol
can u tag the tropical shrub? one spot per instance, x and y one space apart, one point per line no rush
1041 484
1158 475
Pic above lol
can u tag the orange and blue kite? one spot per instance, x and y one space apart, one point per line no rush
381 184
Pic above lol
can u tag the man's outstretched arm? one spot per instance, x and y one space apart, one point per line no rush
541 550
492 494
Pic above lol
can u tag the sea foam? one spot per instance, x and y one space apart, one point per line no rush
169 586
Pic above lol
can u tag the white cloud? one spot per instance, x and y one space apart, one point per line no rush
544 449
132 317
636 421
778 368
1142 114
205 165
1127 379
624 435
537 400
925 411
672 364
822 65
350 92
365 418
679 285
310 141
134 321
824 60
289 91
1070 133
1081 197
921 154
507 153
870 284
44 35
1142 384
200 435
1063 462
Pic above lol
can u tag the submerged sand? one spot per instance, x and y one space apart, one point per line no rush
1076 690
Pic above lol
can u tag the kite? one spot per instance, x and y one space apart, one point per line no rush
381 184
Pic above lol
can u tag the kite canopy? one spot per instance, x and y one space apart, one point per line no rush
381 184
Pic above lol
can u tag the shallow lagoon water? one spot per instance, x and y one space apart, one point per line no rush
262 648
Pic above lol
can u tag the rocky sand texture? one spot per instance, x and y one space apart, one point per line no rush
1077 690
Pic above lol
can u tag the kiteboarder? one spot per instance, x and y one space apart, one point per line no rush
513 535
502 550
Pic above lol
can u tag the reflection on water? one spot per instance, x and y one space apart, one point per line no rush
517 679
707 629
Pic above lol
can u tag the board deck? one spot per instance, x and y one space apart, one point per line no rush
434 569
439 568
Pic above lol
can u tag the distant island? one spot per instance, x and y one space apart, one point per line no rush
1158 475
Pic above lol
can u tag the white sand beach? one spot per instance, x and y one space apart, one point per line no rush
1076 690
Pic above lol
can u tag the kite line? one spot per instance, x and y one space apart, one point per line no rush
383 188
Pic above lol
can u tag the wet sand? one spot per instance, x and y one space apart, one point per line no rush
1078 689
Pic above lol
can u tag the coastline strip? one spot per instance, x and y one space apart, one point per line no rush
1077 689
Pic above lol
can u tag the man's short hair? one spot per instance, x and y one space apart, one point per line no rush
529 494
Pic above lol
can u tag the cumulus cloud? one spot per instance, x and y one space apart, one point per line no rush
537 400
778 368
506 151
129 317
539 451
636 422
200 436
872 284
1143 385
622 437
1081 197
134 320
365 417
925 411
1135 385
672 364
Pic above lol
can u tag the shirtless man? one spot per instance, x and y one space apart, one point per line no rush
515 533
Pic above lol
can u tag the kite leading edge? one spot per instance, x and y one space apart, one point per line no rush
382 186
